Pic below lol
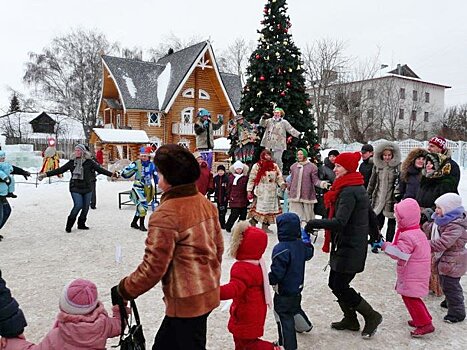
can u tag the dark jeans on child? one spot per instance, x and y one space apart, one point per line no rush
339 283
391 226
288 312
454 296
222 210
176 333
235 213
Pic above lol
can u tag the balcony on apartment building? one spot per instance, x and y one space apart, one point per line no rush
189 129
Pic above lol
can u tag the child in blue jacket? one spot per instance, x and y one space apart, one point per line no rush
287 277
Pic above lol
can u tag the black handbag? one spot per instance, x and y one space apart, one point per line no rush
134 339
319 207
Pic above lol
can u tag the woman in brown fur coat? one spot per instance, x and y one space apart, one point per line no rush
411 174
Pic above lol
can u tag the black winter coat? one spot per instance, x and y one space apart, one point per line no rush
433 187
410 187
12 321
349 230
366 168
90 167
220 189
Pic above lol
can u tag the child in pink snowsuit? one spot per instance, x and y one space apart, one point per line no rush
82 322
412 251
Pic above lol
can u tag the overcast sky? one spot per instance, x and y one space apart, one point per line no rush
430 36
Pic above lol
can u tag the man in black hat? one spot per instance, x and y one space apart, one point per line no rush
366 167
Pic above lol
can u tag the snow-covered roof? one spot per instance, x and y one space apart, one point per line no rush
221 144
121 136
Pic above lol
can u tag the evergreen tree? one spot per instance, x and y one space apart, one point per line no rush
276 78
14 104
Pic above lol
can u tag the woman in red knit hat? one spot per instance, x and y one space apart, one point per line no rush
346 237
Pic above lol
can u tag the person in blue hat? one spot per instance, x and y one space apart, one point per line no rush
204 130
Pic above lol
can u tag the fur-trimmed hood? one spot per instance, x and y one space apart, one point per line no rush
409 161
244 172
387 145
441 165
247 242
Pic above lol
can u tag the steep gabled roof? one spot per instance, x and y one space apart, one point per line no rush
233 85
181 62
43 118
405 71
136 81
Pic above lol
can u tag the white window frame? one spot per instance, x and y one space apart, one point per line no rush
189 93
151 123
184 111
184 143
118 121
203 95
155 140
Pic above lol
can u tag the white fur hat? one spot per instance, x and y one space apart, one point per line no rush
448 202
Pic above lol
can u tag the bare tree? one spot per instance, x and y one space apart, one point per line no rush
68 73
454 124
323 61
171 43
234 59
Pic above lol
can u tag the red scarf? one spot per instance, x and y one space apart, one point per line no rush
330 199
263 166
401 230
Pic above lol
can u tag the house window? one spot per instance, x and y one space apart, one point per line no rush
339 134
400 133
154 119
371 94
370 114
415 95
426 117
119 121
427 97
325 134
184 143
189 93
155 141
186 115
203 95
414 115
401 113
402 93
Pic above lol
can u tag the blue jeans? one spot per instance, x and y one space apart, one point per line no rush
81 201
5 211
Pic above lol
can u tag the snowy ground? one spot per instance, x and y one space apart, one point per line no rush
37 257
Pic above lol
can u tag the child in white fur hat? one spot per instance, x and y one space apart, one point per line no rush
82 323
237 194
448 239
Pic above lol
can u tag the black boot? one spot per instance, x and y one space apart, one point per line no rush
134 223
141 224
372 318
69 223
82 224
349 322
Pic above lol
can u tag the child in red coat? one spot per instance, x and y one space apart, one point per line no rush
249 288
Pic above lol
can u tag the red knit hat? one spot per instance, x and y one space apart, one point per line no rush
440 142
349 160
79 297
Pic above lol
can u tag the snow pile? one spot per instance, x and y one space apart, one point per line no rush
38 257
121 135
130 86
163 83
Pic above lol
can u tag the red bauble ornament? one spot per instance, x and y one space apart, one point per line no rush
262 78
258 56
288 84
266 10
286 30
283 93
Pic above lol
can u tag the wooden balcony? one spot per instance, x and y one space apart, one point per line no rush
189 129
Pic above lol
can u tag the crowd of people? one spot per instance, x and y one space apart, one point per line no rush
416 199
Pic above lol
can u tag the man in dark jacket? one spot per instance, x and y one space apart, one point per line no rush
366 167
439 144
12 321
221 181
287 277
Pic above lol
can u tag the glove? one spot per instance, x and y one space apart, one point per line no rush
309 227
426 215
378 244
26 174
7 180
116 297
398 197
250 196
41 176
306 238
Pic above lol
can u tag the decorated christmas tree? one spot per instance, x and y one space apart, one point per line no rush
275 78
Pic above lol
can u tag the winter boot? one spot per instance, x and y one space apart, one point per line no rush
12 195
349 322
69 223
1 237
265 228
134 223
372 318
82 224
421 331
141 224
444 304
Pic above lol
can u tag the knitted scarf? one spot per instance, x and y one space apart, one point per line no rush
78 172
449 216
263 167
330 199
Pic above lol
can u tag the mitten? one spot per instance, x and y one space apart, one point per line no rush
309 226
398 197
115 296
250 196
26 174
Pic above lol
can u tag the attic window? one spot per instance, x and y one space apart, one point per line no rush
154 119
155 141
186 115
189 93
184 143
203 95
